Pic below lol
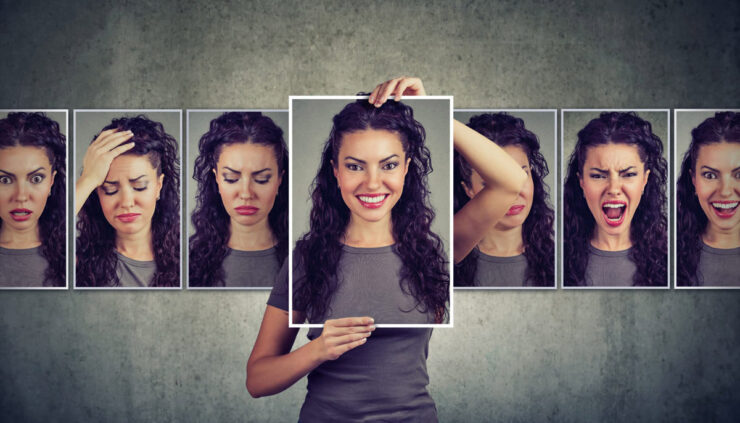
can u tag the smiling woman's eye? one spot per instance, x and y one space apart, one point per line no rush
37 178
5 180
390 166
709 175
353 166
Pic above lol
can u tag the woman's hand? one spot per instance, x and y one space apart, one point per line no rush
398 87
342 335
98 157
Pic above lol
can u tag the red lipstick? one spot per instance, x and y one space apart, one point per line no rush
514 210
724 209
128 217
614 212
372 201
20 215
246 210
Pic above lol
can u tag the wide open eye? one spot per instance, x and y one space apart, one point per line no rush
709 175
37 178
353 167
5 180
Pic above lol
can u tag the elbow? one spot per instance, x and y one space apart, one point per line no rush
252 389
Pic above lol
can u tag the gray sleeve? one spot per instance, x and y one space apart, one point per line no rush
279 294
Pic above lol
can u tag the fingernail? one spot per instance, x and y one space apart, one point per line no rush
372 320
372 327
371 99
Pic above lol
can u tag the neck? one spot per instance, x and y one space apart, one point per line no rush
608 242
721 238
251 238
18 239
502 242
364 234
136 246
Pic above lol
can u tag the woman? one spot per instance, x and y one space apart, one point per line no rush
370 208
32 201
127 200
707 197
518 248
241 216
614 203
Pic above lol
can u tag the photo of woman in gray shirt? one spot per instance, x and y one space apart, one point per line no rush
614 202
33 240
504 237
240 220
369 227
707 197
127 202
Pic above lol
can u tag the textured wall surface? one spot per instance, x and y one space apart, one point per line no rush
512 356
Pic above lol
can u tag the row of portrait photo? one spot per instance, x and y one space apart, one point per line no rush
290 198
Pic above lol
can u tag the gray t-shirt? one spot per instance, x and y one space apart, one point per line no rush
134 273
384 379
719 266
501 271
250 268
609 268
22 268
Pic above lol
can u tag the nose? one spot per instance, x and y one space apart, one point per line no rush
727 185
246 190
127 197
373 179
615 186
21 192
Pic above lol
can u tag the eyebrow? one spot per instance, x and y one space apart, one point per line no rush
364 162
130 180
606 171
719 171
29 173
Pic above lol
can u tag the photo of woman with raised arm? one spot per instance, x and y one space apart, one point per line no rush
127 201
505 240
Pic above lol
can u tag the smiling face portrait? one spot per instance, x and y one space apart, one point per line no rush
613 179
248 179
26 179
370 170
129 195
716 179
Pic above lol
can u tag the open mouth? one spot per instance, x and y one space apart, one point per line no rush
128 217
247 210
19 215
614 212
724 209
372 201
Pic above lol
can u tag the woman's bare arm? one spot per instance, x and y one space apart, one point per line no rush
503 177
272 367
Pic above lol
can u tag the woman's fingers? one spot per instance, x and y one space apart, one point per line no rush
410 86
122 148
351 321
113 140
397 87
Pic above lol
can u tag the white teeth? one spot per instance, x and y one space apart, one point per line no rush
20 213
613 205
373 199
726 206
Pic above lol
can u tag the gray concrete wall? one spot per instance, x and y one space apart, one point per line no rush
512 356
